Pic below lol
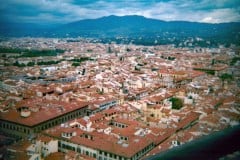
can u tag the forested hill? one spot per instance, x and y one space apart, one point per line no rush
134 27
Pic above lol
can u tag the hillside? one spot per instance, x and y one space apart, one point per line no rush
135 28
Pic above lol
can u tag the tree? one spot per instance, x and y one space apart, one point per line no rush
75 64
83 72
211 89
171 58
89 50
225 76
136 68
234 61
30 64
128 49
213 62
152 115
109 49
18 64
177 103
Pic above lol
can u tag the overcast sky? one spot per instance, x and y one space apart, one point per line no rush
64 11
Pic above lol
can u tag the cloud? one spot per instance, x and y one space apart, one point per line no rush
201 11
221 15
64 11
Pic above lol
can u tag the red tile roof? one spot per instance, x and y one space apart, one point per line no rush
109 142
188 119
47 110
56 156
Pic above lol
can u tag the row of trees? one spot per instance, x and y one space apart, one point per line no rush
168 58
32 52
29 64
76 62
82 59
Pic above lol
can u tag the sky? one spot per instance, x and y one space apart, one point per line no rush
65 11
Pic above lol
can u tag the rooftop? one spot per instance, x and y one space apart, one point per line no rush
39 110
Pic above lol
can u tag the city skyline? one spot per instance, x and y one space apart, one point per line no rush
65 11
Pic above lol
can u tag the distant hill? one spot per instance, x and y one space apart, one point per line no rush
135 25
138 26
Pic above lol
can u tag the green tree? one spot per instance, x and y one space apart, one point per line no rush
83 72
211 90
75 64
226 77
177 103
234 61
30 64
128 49
109 49
213 62
19 64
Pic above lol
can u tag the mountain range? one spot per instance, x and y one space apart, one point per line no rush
134 27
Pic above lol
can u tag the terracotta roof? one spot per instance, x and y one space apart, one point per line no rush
20 146
160 97
56 156
43 138
109 142
189 118
47 110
